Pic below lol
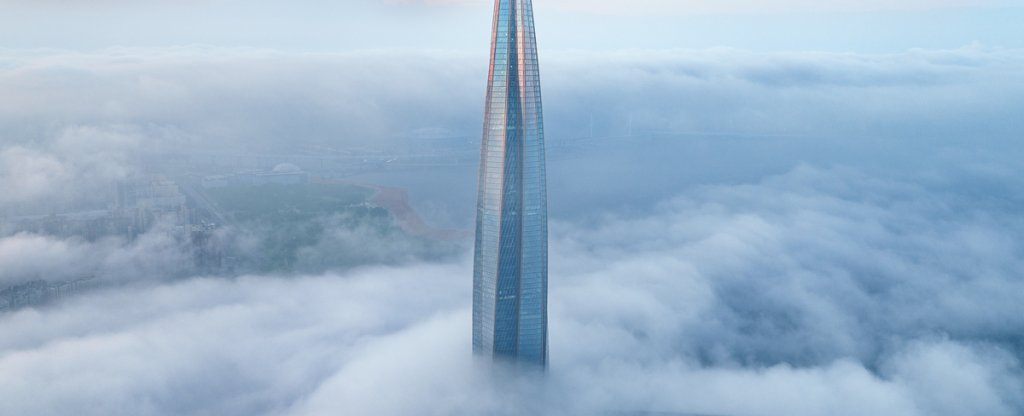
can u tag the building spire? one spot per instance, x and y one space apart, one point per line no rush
510 265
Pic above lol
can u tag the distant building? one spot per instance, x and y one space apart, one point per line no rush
510 267
41 292
144 204
140 203
158 195
149 201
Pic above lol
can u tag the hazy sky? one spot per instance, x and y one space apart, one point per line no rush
316 25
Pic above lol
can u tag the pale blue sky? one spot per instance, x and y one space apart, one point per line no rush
314 25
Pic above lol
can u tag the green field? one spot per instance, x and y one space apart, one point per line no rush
275 202
273 222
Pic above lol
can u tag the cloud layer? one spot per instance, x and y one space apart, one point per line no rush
815 292
833 234
262 97
740 114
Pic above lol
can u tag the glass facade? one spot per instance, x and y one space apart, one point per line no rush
510 270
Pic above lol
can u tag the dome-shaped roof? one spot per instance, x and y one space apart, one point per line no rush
286 168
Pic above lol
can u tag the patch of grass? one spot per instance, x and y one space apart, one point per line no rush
286 218
287 202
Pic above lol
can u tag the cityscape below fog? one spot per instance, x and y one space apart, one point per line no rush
172 196
512 207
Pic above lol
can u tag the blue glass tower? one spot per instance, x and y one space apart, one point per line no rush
510 268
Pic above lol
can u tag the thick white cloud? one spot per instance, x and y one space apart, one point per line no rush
78 163
236 97
888 286
239 94
155 255
188 98
815 292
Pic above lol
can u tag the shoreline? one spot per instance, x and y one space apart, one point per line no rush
396 202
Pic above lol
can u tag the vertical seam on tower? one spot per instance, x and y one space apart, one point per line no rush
501 186
518 106
521 86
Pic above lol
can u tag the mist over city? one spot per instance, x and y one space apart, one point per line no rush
752 208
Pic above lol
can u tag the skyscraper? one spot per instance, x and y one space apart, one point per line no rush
510 268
